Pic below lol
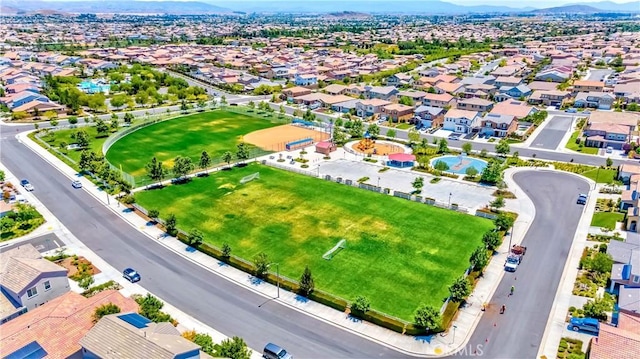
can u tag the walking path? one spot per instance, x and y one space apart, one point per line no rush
436 345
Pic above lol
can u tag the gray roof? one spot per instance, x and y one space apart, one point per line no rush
629 299
347 104
478 80
20 266
621 251
112 337
493 117
430 109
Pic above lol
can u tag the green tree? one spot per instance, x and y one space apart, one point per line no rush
54 122
114 124
413 135
251 105
205 160
441 166
223 100
374 130
226 250
72 120
195 237
491 239
85 281
105 309
153 214
479 258
119 100
467 147
492 173
609 162
102 128
503 222
170 224
155 170
281 111
443 146
460 289
82 138
227 157
242 152
357 129
87 161
261 261
597 308
497 203
361 304
205 342
471 172
150 308
483 153
417 184
182 166
600 263
2 176
306 282
502 148
391 133
234 348
6 224
427 317
405 100
128 117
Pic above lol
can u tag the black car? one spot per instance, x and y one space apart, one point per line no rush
131 275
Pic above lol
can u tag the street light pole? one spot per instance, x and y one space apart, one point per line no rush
450 199
454 334
278 278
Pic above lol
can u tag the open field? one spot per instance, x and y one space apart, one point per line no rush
216 132
399 254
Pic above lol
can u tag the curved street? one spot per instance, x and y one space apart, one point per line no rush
233 310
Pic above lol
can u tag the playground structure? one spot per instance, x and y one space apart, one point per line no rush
337 248
370 146
294 145
250 178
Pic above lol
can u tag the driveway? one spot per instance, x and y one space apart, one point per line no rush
552 134
599 74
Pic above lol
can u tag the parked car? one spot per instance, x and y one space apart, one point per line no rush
585 324
76 184
272 351
514 258
131 275
571 110
582 198
27 185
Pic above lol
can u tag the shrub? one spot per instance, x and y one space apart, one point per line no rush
105 309
150 308
460 289
361 305
363 179
428 318
261 262
128 199
233 348
101 287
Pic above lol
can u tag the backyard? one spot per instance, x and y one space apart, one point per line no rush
394 248
215 132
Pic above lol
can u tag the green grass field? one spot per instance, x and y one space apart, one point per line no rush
606 219
95 144
603 175
215 132
399 254
573 146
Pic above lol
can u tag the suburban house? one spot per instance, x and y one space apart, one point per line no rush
39 330
460 121
498 125
396 112
306 80
399 79
509 81
549 98
428 116
134 336
621 341
33 108
626 172
626 256
415 96
279 73
478 90
448 87
293 92
554 74
380 92
599 100
512 92
437 100
588 86
335 89
345 106
518 109
603 135
366 108
18 99
475 104
28 281
627 92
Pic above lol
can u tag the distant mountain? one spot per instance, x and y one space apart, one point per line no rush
117 7
372 7
610 6
569 9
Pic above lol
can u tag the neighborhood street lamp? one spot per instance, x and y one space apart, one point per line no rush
277 277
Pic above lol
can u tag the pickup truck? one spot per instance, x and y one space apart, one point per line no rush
514 258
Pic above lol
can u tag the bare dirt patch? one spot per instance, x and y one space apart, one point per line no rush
75 266
275 138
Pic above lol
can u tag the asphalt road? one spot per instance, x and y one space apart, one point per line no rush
223 305
518 333
553 133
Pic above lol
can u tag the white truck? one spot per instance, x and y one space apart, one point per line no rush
514 258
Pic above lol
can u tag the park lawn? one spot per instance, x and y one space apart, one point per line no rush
399 254
606 219
95 143
602 176
573 146
215 132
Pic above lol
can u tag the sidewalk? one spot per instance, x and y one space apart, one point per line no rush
436 345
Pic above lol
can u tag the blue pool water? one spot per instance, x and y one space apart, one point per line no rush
92 87
459 164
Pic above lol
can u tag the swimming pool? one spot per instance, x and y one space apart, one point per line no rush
459 164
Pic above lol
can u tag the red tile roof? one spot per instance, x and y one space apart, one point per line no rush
59 324
402 157
622 342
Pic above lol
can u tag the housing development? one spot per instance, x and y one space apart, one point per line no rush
348 180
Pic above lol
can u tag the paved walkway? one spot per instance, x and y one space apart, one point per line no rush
436 345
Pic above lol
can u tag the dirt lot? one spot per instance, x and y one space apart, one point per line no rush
275 138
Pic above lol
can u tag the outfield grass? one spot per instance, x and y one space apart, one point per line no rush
95 144
603 175
215 132
399 254
573 146
606 219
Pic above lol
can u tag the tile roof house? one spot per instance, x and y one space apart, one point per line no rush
28 281
397 112
130 335
602 135
518 109
588 86
621 342
366 108
512 92
498 125
71 314
428 116
475 104
599 100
